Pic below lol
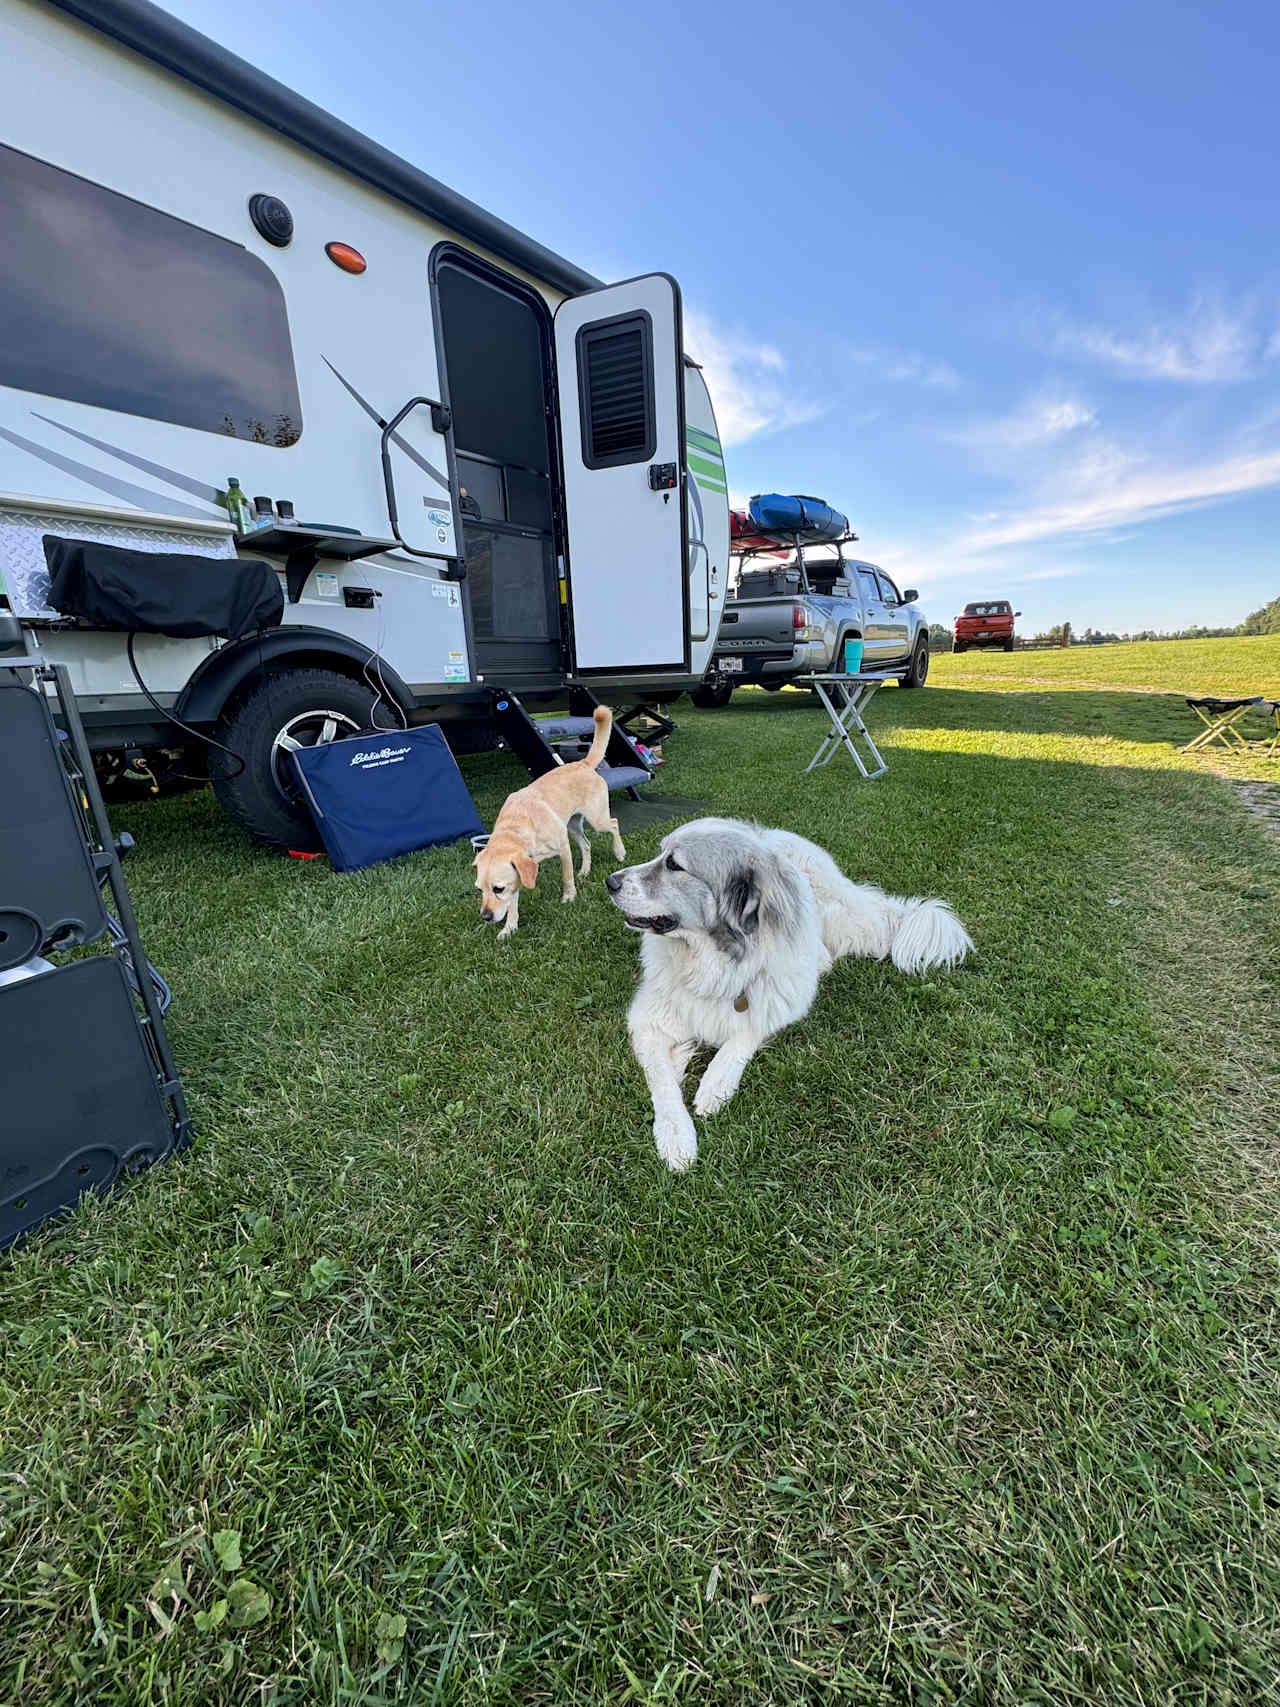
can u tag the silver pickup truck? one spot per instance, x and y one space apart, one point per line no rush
783 622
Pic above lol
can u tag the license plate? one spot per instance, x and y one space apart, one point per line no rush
729 666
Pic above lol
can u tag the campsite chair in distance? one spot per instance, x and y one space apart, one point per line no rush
1220 717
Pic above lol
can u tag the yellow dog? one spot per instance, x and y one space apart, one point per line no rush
536 822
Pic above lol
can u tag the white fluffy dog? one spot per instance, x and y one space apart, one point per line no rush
739 924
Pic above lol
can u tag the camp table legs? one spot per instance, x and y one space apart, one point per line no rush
1219 718
854 692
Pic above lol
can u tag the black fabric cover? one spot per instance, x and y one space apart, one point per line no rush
45 869
161 592
80 1096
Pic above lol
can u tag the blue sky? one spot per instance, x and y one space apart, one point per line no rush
1003 283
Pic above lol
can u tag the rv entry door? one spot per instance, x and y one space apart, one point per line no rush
618 367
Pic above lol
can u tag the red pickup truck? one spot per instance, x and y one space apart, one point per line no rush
988 622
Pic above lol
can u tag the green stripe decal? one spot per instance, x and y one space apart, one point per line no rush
702 466
704 441
709 485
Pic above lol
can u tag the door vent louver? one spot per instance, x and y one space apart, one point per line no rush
616 373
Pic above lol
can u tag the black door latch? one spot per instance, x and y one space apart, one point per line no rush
663 476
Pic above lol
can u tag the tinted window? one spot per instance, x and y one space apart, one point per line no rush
891 593
109 302
870 588
992 607
615 391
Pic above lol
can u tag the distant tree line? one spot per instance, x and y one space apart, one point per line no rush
1263 621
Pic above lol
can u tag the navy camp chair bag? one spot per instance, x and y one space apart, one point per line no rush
382 795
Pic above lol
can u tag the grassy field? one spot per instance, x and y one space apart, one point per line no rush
947 1376
1229 669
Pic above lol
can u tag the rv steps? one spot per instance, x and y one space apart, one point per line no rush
542 743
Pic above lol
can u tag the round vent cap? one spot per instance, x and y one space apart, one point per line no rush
271 220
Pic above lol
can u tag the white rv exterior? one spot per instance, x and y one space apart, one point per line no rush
154 342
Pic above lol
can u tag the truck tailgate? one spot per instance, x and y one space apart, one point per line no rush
757 625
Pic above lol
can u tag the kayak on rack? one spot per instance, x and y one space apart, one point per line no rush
744 535
802 519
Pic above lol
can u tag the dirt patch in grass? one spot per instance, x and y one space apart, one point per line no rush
1261 800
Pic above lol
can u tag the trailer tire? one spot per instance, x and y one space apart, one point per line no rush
713 696
918 670
286 708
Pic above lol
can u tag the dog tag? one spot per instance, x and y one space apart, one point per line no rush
741 1005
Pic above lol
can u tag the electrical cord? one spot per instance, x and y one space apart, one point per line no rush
177 721
380 688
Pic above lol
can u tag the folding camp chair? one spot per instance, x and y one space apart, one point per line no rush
1220 717
1271 708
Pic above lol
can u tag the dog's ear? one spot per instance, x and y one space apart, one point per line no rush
526 869
742 900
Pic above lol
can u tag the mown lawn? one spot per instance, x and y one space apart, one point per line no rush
948 1375
1229 669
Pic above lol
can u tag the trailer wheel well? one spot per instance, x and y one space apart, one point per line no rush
225 678
286 661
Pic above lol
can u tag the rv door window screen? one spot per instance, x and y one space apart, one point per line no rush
106 301
615 391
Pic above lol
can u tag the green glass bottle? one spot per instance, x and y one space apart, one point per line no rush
237 506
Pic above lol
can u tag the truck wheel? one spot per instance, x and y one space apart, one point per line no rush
288 710
918 673
960 646
713 695
1008 645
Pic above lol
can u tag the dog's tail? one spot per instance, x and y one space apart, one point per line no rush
603 719
928 934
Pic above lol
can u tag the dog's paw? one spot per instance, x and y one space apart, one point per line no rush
677 1141
712 1094
570 895
507 930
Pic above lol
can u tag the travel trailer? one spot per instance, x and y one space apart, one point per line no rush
484 472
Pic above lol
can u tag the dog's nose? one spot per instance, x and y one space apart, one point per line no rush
613 883
486 913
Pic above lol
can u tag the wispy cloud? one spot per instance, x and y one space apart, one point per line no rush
904 367
1036 422
1141 496
748 380
1208 344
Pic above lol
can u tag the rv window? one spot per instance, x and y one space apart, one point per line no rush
109 302
615 387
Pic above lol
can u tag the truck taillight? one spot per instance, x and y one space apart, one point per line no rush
798 617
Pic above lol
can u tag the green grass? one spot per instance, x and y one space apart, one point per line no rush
947 1376
1249 664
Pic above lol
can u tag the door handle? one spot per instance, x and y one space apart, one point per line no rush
696 545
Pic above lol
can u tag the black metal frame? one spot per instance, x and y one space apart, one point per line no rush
104 852
445 254
441 421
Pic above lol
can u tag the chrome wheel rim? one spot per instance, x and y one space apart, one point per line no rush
308 729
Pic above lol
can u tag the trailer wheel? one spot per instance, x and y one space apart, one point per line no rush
918 672
713 695
287 710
